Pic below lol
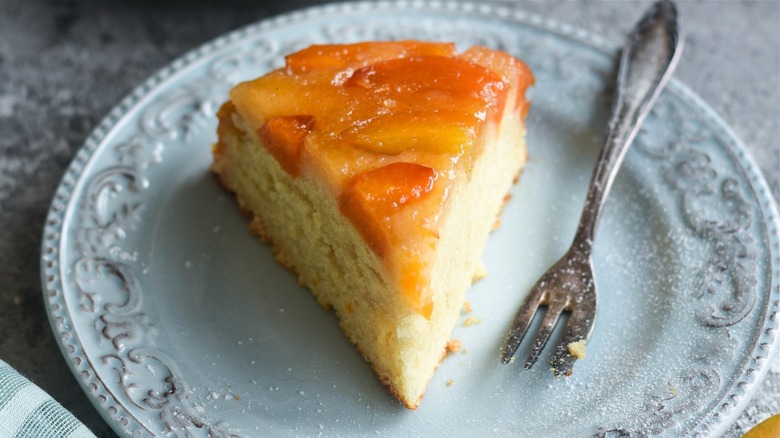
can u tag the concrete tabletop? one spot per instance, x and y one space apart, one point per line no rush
65 64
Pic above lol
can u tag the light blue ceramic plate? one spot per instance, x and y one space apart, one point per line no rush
176 321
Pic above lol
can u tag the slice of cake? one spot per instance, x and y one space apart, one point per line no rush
377 170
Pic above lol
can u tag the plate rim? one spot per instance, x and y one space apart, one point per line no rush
719 419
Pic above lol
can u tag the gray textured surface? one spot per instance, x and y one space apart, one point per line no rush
63 65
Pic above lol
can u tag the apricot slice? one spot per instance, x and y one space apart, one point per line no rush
371 199
440 132
511 69
282 95
414 289
432 81
283 136
339 56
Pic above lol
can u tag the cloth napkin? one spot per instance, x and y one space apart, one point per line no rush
26 411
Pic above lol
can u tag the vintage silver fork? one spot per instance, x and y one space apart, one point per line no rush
646 63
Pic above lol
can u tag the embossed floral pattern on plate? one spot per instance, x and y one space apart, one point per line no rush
176 322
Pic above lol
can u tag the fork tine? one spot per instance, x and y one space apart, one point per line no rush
520 324
551 317
578 328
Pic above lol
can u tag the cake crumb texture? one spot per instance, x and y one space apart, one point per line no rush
577 349
387 235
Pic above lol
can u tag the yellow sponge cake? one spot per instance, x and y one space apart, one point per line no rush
377 170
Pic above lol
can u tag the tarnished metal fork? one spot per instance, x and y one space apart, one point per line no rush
646 63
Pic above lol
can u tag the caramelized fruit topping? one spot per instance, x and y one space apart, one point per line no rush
439 132
372 198
432 82
511 70
341 56
283 136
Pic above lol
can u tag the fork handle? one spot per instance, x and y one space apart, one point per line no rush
646 63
